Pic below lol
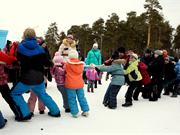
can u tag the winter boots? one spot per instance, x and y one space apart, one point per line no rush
85 114
127 104
92 90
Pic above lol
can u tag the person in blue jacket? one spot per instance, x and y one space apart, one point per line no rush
32 60
118 79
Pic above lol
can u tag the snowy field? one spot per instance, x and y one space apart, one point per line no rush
143 118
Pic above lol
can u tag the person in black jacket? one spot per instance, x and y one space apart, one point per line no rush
156 68
32 60
169 76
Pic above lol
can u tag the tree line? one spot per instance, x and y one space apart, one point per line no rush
147 30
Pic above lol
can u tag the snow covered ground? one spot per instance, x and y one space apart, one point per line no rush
143 118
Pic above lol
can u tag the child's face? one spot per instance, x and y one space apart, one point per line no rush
91 67
121 55
131 58
155 55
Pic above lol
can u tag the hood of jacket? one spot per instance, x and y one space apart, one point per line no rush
30 47
76 65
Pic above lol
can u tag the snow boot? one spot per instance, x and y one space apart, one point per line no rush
88 90
85 114
127 104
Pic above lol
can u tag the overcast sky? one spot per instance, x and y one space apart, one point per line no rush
16 15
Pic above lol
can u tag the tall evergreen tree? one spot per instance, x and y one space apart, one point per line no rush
52 38
83 34
176 40
112 33
98 32
153 17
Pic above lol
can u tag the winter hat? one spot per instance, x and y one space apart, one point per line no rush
115 55
73 54
121 50
158 52
8 42
134 55
92 65
148 51
58 59
70 36
95 45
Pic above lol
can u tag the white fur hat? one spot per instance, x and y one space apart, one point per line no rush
95 45
158 52
73 54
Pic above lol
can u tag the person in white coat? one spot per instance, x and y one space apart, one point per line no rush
67 45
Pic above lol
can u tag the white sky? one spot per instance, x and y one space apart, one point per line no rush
16 15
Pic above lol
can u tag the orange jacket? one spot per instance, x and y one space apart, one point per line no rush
74 70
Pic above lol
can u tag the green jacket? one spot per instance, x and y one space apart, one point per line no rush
133 67
94 56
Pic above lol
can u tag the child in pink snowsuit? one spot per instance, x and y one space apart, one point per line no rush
32 101
92 76
59 75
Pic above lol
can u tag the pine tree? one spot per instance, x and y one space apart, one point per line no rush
52 38
153 17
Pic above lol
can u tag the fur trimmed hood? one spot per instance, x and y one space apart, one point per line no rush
73 45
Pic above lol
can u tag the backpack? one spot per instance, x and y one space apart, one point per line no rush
142 67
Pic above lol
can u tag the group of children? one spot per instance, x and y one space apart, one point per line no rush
68 77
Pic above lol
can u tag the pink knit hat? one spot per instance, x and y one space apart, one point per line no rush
58 59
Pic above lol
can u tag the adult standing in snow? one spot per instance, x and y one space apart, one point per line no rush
33 98
94 57
156 69
117 72
67 45
32 60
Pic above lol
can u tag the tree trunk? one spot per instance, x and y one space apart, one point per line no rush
149 36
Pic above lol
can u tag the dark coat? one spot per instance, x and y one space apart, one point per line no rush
156 68
32 60
169 72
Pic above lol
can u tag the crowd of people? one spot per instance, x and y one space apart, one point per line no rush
149 74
